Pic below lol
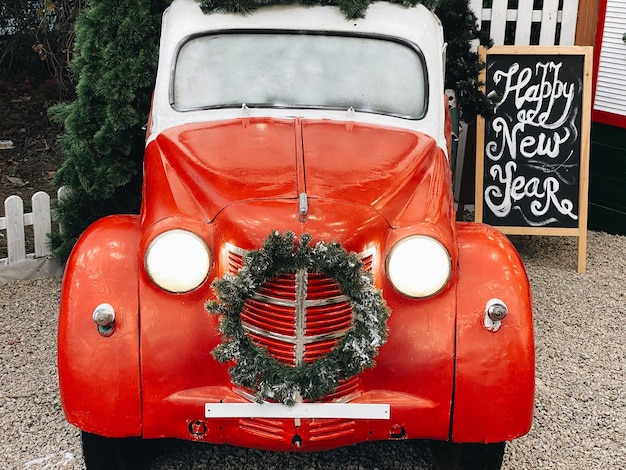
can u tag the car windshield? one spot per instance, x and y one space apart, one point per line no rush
300 70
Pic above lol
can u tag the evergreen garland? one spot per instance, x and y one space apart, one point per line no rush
351 8
253 367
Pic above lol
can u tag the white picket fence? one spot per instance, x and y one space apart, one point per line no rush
15 221
18 264
557 25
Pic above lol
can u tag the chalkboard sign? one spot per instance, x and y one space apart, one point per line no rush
533 153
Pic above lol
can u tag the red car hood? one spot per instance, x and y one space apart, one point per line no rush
203 168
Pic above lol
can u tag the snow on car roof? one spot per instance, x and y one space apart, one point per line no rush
417 24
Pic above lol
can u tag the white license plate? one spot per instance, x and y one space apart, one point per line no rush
299 410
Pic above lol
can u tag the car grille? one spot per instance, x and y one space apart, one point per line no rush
299 317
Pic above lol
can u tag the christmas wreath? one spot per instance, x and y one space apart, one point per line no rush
270 378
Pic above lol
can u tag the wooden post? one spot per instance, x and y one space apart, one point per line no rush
587 23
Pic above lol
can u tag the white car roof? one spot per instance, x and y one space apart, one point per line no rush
417 24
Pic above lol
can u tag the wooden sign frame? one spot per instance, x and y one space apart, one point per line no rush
578 227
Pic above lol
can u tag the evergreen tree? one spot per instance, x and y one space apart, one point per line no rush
115 61
116 54
463 65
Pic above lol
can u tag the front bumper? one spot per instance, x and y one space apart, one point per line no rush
219 415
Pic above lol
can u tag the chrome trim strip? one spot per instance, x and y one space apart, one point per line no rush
266 299
294 339
302 281
268 334
303 208
235 249
244 394
294 304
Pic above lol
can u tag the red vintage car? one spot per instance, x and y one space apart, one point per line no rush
296 280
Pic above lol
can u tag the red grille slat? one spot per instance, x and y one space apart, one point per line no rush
367 262
282 287
322 287
347 388
235 262
278 349
321 320
264 428
324 429
313 352
259 315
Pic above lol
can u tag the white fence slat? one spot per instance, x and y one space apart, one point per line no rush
568 22
477 8
498 22
549 17
14 215
547 37
523 23
62 193
42 225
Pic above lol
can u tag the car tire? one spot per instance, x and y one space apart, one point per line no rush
107 453
453 456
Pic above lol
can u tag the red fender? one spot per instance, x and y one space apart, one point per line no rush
99 376
494 382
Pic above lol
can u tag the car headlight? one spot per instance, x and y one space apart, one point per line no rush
419 266
177 261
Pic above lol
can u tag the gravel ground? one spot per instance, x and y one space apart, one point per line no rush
580 417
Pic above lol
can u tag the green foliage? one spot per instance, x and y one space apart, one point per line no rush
463 65
351 8
115 61
78 207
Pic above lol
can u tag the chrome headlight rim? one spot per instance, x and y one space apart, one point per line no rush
407 259
177 260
